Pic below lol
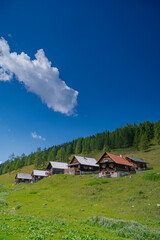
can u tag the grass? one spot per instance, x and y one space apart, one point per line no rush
125 229
153 176
97 228
80 197
65 202
9 178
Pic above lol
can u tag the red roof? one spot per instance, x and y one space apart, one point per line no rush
119 160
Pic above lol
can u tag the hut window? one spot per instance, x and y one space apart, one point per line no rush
111 165
104 165
85 167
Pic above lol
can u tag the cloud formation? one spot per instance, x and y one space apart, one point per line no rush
39 77
36 136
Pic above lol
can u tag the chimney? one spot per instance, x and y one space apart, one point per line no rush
120 155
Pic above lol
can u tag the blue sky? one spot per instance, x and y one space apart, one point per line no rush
106 52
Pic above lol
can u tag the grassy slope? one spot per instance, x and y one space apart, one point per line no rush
9 178
75 198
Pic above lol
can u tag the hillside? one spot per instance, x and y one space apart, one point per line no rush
129 137
71 200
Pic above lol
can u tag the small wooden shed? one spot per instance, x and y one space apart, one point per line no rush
39 174
112 165
57 167
23 178
84 165
138 163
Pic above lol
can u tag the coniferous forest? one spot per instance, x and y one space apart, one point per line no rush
132 135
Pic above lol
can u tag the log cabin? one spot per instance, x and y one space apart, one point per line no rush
83 165
23 178
57 167
38 174
112 165
138 163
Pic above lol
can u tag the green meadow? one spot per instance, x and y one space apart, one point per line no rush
84 207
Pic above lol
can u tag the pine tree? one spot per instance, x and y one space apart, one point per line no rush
37 160
61 155
69 149
52 154
79 146
44 157
92 143
157 132
144 143
136 140
106 148
149 129
18 164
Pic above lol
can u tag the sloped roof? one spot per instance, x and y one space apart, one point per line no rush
24 176
87 161
118 159
137 159
40 173
59 165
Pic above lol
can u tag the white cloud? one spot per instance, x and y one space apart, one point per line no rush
0 162
36 136
38 77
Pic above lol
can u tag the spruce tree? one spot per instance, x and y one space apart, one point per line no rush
157 132
144 143
78 146
136 140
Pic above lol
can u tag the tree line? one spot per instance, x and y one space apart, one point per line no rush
132 135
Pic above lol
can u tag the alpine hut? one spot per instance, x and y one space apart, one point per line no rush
23 178
112 165
83 165
138 163
57 167
39 174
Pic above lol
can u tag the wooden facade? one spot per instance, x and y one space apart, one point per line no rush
139 164
112 165
57 167
83 165
23 178
39 174
69 171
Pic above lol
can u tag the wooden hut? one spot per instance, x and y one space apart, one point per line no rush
57 167
138 163
39 174
112 165
84 165
23 178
